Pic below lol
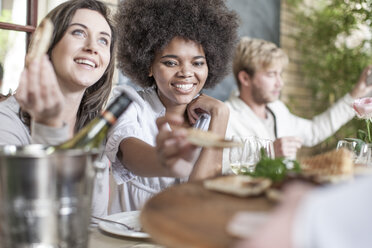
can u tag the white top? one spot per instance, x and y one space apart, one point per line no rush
14 132
139 121
338 216
244 122
269 123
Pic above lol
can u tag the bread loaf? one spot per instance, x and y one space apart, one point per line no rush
40 41
330 166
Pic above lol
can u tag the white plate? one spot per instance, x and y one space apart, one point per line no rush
130 218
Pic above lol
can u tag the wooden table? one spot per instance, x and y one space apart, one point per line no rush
188 215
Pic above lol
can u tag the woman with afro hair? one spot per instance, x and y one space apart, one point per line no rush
172 49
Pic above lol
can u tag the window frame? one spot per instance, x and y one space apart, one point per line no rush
31 21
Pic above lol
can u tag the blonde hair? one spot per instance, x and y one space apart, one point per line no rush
252 55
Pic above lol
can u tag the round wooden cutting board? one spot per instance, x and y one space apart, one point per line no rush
188 215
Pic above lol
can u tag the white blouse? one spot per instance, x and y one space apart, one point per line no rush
139 121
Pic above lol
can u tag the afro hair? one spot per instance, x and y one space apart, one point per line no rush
147 26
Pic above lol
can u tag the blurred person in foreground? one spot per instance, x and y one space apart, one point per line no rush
257 111
337 216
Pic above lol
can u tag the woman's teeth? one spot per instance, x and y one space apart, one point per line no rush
86 62
183 86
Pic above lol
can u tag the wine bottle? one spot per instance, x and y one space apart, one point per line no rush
92 135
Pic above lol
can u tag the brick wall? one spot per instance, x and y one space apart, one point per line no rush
296 93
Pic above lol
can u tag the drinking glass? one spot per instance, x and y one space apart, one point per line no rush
244 158
235 155
350 145
250 154
365 155
268 147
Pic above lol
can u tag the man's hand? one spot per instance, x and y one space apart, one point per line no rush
361 89
287 147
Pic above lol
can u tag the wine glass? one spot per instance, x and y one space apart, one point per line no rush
235 155
268 147
250 154
244 158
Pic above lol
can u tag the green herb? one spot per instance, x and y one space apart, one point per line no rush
275 169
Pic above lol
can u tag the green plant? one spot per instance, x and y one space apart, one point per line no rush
274 169
334 50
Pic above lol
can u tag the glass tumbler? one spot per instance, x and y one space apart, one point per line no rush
350 145
365 155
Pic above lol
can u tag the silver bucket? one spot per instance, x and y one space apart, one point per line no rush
45 199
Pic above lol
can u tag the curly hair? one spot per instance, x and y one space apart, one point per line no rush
95 96
147 26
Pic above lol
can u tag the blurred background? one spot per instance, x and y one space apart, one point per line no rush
328 43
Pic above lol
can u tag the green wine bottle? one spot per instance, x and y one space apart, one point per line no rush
92 135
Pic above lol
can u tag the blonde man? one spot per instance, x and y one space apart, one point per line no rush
256 110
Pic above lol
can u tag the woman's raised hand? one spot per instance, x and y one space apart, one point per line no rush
205 104
39 94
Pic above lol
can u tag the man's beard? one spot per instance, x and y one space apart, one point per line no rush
259 95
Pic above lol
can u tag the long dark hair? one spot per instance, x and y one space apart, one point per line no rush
96 95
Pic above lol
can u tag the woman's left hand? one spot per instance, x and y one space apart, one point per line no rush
209 162
205 104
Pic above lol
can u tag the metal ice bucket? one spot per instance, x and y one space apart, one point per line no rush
45 199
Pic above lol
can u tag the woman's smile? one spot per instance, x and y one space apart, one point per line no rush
184 87
180 71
